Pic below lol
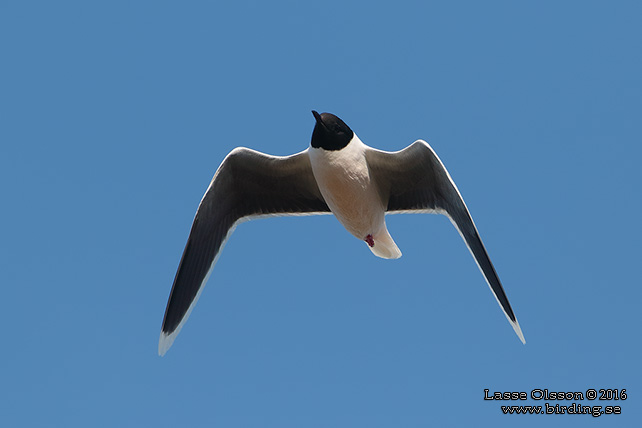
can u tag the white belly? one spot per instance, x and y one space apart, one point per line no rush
345 183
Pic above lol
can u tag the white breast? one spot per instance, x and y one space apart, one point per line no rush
345 183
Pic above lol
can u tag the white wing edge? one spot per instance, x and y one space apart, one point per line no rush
514 324
166 340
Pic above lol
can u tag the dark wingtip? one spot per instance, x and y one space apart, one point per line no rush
317 116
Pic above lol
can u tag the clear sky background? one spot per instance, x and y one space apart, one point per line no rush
115 116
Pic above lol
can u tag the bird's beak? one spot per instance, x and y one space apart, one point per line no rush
317 116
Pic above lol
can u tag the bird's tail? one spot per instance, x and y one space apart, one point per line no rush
384 246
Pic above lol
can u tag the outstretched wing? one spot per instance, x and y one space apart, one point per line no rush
248 184
415 180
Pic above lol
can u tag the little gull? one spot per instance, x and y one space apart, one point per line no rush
338 174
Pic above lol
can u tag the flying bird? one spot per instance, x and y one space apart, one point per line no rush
338 174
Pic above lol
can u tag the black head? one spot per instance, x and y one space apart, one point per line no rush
330 132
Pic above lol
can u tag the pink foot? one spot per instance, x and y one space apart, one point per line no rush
370 240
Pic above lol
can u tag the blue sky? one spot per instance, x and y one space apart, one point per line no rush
115 116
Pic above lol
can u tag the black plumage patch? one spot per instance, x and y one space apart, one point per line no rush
330 132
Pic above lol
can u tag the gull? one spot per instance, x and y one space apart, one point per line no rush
338 174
